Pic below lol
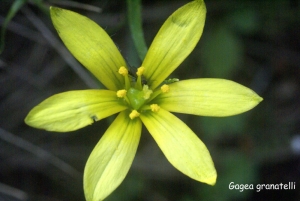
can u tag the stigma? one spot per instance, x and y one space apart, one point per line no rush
147 92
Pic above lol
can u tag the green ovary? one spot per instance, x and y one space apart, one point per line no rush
136 98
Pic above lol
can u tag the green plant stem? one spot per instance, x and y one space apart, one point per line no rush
135 25
16 6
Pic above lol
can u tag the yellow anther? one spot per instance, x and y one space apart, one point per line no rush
140 71
165 88
121 93
123 71
147 92
154 108
134 114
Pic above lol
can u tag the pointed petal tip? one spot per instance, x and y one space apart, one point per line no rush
211 180
256 99
259 99
54 9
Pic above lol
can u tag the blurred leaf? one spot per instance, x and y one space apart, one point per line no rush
16 6
130 189
135 25
246 21
222 52
40 4
214 127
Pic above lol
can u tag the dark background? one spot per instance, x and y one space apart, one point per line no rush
255 43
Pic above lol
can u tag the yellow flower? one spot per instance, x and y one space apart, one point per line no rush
139 103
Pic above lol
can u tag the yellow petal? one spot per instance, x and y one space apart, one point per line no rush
173 43
112 157
184 150
208 97
72 110
90 45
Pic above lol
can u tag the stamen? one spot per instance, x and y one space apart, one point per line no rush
154 107
147 92
121 93
134 114
165 88
140 71
123 71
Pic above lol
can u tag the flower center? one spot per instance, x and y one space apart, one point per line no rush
138 95
137 98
